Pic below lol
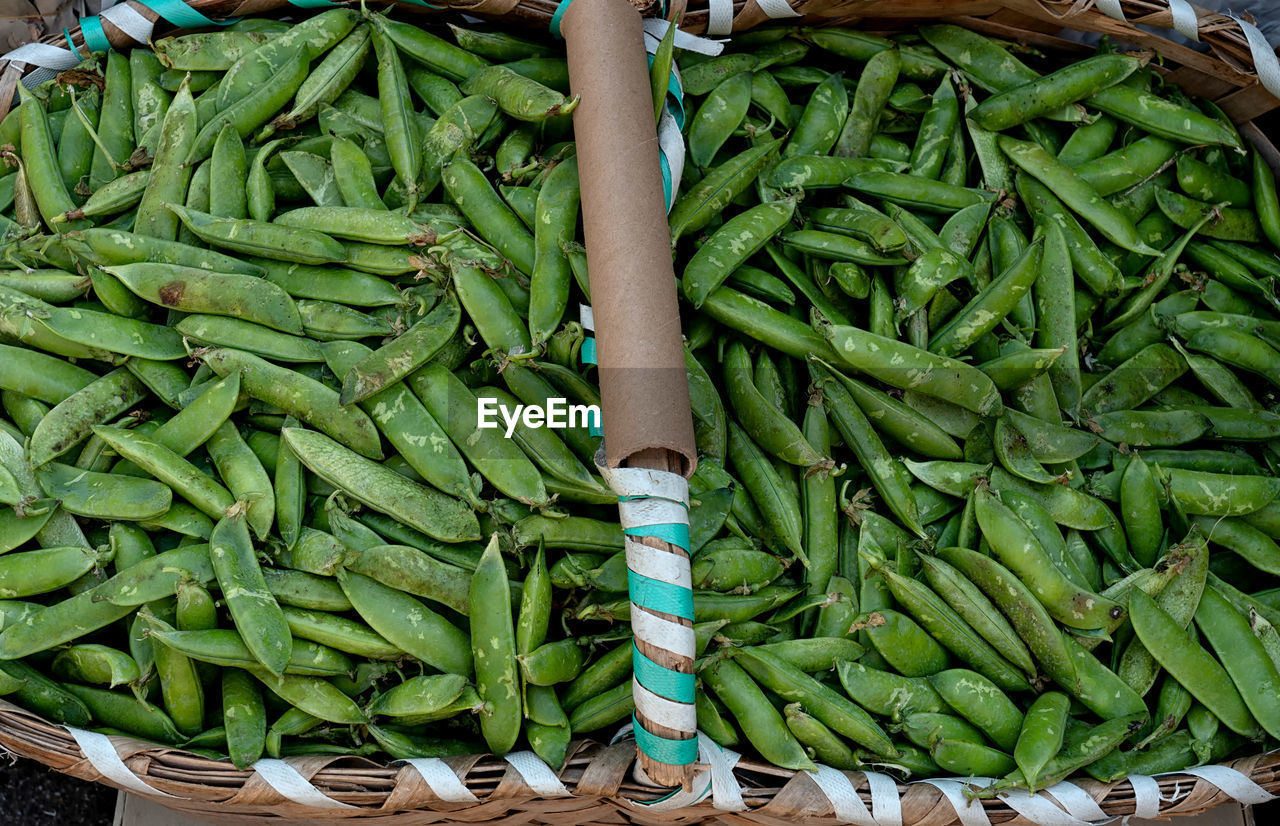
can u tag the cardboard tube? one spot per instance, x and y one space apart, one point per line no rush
643 383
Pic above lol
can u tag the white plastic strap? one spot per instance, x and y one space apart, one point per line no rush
840 792
587 317
43 55
1184 19
726 794
720 17
970 812
104 758
1111 8
128 20
1146 795
663 633
658 709
777 9
886 805
286 780
639 513
634 481
1234 783
1077 802
655 28
537 774
1265 62
671 145
1039 809
443 783
660 565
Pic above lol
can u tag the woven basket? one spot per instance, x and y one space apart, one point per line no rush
597 784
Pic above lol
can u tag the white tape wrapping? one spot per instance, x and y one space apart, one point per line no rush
655 28
843 797
716 780
291 785
1237 784
443 783
671 145
655 708
1265 62
1184 19
1146 796
1077 801
1039 809
660 632
663 566
634 481
886 805
720 17
128 20
587 317
640 513
102 755
43 55
1111 8
777 9
970 812
534 771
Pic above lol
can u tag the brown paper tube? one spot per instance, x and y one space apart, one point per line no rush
643 385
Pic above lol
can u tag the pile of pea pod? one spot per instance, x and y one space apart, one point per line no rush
985 346
979 355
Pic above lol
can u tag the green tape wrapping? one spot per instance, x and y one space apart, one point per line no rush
181 15
677 533
672 752
557 16
673 685
95 38
660 596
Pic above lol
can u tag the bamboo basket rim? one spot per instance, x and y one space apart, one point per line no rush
599 778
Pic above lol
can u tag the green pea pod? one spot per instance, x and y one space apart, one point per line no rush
1162 117
255 611
103 495
698 206
138 717
300 396
778 505
901 365
493 219
555 222
738 239
1052 92
40 165
990 306
1040 737
494 650
1098 272
89 663
875 84
1190 664
415 505
1265 199
499 460
262 239
1021 608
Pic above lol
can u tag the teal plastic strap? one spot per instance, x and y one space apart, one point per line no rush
95 38
677 533
660 596
674 685
181 15
588 351
75 50
315 4
672 752
556 17
666 180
